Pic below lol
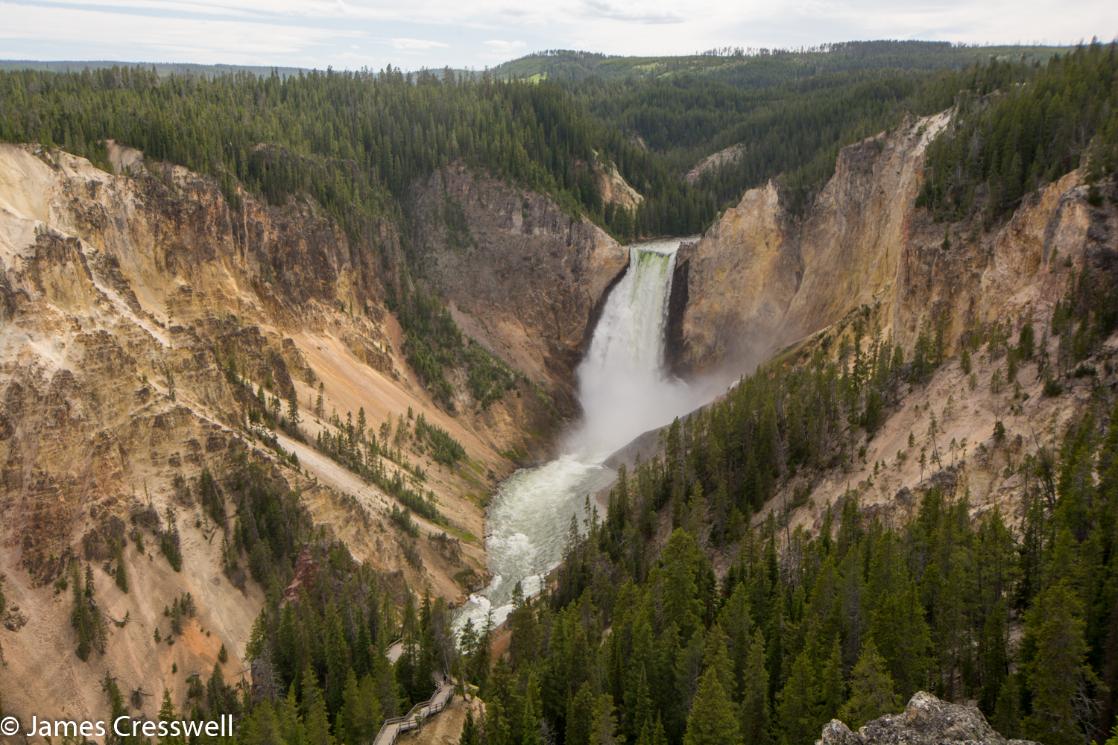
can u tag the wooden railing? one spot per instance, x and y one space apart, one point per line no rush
393 727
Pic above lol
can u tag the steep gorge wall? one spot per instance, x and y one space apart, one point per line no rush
761 278
522 276
127 299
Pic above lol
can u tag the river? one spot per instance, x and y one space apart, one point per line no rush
625 390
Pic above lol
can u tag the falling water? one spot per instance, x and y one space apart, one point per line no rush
625 391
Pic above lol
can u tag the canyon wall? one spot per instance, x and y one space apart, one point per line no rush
864 262
143 312
762 278
522 276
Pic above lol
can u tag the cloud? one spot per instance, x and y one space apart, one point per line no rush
163 38
505 48
406 44
615 11
434 33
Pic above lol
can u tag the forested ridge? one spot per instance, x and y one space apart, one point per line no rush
357 141
1026 136
790 111
758 67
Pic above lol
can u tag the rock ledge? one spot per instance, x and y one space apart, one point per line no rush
925 721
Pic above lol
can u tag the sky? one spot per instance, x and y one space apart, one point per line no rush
412 34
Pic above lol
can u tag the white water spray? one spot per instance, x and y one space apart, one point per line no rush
625 391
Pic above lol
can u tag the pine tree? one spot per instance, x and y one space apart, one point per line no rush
755 708
716 657
121 573
580 712
712 720
85 617
798 718
1057 675
871 689
1007 710
116 709
261 727
293 418
829 690
359 718
290 721
900 630
530 722
680 590
313 705
470 734
603 722
167 714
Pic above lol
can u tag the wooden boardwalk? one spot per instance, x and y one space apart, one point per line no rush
393 727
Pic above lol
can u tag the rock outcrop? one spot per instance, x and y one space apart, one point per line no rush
713 162
925 721
615 189
738 280
522 276
762 277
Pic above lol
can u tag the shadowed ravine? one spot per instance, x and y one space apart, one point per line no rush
624 390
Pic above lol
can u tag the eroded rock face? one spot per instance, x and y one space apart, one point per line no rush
761 277
615 189
714 161
739 280
925 721
140 312
523 277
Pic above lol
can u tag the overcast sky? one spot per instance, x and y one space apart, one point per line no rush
480 33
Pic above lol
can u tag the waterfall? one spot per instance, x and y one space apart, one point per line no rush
622 380
625 391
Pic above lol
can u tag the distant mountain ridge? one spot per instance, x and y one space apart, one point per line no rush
762 66
162 68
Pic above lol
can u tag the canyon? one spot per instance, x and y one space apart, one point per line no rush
128 297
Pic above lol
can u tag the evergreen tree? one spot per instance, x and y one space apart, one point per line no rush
360 718
1057 676
580 713
755 708
470 734
313 707
530 724
603 722
871 689
712 720
167 714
